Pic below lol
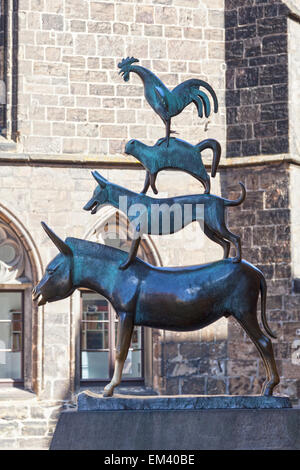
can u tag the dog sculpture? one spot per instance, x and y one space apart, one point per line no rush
178 299
167 215
177 155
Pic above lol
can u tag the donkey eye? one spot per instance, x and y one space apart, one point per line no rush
51 270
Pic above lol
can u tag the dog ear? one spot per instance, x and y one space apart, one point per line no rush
100 180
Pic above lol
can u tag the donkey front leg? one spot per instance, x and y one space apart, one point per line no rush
125 329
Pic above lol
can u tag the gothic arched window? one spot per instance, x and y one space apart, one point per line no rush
15 298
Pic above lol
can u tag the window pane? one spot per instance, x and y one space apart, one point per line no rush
94 365
98 334
133 364
10 335
94 335
94 307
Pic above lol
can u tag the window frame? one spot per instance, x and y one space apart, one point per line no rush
132 381
9 381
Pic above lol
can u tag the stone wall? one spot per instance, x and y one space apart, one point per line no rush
221 358
2 66
71 98
294 81
264 223
26 423
257 77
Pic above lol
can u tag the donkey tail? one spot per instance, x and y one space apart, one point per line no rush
263 295
216 148
237 202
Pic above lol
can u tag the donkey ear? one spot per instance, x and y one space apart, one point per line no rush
100 180
58 242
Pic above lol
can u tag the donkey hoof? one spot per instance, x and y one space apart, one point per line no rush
108 392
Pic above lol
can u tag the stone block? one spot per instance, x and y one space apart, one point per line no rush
85 44
53 22
144 14
231 429
180 50
102 10
124 12
166 15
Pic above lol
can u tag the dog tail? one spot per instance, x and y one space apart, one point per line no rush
216 148
263 295
237 202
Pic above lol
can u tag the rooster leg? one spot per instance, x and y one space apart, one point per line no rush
168 132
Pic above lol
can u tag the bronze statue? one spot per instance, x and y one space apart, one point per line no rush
178 155
182 298
168 103
150 219
178 299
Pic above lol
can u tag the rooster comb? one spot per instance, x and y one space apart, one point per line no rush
126 62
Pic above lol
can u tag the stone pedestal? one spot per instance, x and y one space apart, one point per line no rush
178 423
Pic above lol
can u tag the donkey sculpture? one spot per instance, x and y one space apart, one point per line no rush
178 299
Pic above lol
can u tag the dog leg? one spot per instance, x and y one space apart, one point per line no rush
217 239
224 233
132 253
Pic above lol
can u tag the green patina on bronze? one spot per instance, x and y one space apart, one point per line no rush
178 155
179 299
169 103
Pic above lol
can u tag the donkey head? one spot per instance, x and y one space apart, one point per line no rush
100 195
56 283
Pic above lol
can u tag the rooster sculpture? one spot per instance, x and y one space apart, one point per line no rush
168 103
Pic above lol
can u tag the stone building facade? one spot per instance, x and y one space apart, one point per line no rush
65 110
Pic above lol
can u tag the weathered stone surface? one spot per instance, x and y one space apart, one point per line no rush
206 429
88 401
256 57
66 40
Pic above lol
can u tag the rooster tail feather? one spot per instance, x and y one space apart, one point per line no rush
216 148
189 88
199 105
212 92
205 102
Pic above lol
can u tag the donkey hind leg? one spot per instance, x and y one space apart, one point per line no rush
125 329
264 345
217 239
